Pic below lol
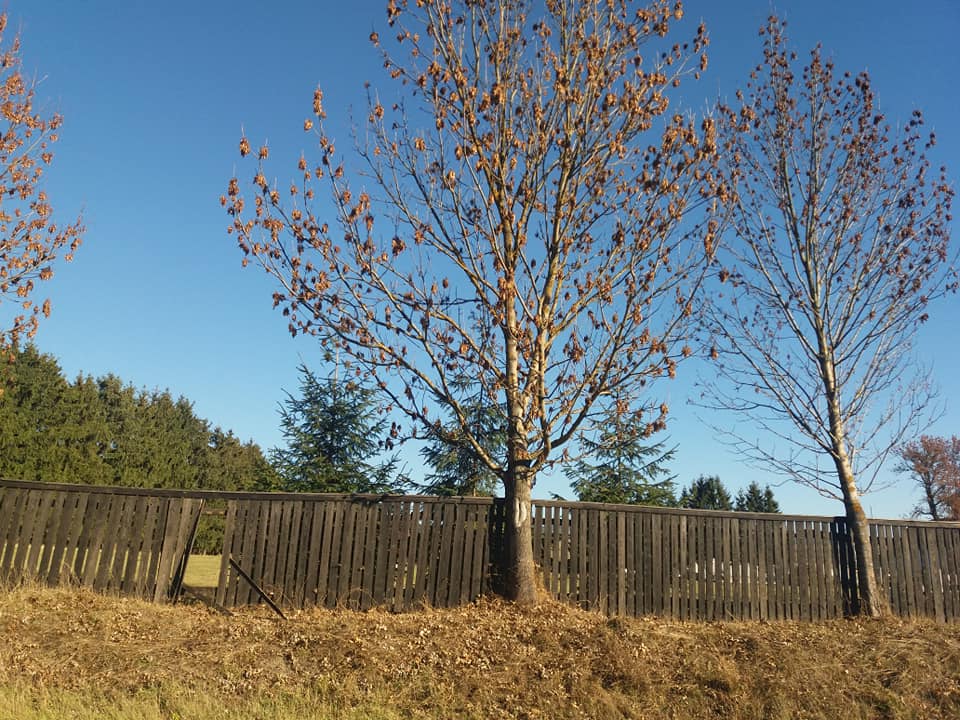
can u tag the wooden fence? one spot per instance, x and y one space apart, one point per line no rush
358 552
626 560
301 550
134 542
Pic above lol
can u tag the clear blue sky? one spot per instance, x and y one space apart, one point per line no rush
155 95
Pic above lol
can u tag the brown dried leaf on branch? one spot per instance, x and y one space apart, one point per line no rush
30 240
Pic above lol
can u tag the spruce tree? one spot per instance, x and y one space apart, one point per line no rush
706 493
620 468
457 467
333 438
104 432
753 499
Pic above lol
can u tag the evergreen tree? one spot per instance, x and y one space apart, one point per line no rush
332 436
233 465
706 493
753 499
458 470
35 409
103 432
622 469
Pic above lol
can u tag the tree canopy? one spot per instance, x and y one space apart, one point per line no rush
30 239
620 467
707 492
104 432
934 465
333 434
523 219
457 469
755 499
838 244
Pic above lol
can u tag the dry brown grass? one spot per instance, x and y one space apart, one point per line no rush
489 660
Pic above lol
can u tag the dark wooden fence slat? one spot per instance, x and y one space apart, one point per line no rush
457 553
244 549
293 577
110 539
132 545
386 556
704 557
331 523
12 541
313 594
426 570
927 573
345 555
405 538
126 534
802 563
157 510
734 566
821 570
263 562
442 575
911 561
561 558
41 544
98 525
366 584
248 518
540 553
651 549
9 499
773 576
682 570
903 567
626 526
949 560
480 566
404 532
171 529
578 558
32 509
13 502
230 546
433 560
74 507
363 521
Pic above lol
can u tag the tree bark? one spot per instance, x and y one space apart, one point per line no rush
870 601
519 571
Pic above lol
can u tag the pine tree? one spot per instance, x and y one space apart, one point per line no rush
623 470
332 436
706 493
753 499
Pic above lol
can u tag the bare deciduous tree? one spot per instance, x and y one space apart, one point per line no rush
523 229
838 243
29 239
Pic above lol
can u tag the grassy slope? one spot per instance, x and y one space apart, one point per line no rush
75 654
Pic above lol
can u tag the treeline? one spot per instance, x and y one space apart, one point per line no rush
102 431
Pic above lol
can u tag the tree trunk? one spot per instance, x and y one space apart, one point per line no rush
519 571
870 601
931 500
